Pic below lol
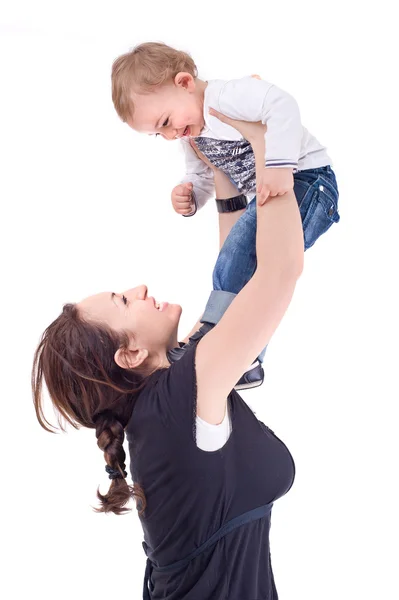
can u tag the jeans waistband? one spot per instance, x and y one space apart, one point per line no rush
326 169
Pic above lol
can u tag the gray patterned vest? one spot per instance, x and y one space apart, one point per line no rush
235 158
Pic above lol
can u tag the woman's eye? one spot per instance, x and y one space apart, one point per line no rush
165 124
124 299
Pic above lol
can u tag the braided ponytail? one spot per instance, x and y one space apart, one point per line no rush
110 435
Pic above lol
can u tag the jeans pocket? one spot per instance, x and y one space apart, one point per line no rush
321 212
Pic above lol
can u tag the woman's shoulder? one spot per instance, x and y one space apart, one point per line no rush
169 396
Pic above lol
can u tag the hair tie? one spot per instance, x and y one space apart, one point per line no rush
114 473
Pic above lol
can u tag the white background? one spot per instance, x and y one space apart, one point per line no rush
85 208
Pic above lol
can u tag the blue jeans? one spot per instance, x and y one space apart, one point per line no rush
317 195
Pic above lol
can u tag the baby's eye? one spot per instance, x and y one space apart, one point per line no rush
124 299
165 124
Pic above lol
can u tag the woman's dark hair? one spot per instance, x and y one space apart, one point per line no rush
75 358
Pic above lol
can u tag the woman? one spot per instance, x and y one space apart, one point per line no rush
205 514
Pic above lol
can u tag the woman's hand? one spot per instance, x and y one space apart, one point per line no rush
251 131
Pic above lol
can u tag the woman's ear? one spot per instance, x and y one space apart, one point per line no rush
127 358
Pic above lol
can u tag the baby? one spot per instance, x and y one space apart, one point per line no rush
156 90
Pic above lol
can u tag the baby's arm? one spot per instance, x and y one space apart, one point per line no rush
201 182
200 175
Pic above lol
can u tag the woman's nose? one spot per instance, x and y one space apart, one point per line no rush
139 292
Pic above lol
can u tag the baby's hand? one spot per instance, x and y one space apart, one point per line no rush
182 198
274 182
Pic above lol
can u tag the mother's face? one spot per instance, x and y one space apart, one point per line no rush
150 325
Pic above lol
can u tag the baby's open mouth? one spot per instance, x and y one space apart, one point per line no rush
160 305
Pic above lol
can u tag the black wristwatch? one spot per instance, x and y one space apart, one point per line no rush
232 204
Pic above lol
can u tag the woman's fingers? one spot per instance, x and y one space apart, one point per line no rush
197 152
221 117
263 193
251 131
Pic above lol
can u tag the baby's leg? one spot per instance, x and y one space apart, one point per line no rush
236 262
234 267
226 223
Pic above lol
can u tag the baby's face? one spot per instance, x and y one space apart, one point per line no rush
174 110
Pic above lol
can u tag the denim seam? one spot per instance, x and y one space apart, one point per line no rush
315 190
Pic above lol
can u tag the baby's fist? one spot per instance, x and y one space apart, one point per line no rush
182 198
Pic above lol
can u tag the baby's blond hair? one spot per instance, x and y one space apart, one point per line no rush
144 68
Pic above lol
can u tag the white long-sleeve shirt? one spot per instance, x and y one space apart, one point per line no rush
288 143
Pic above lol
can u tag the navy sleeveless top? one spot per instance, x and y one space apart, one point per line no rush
192 494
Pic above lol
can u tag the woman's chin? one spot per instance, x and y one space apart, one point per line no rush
174 311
